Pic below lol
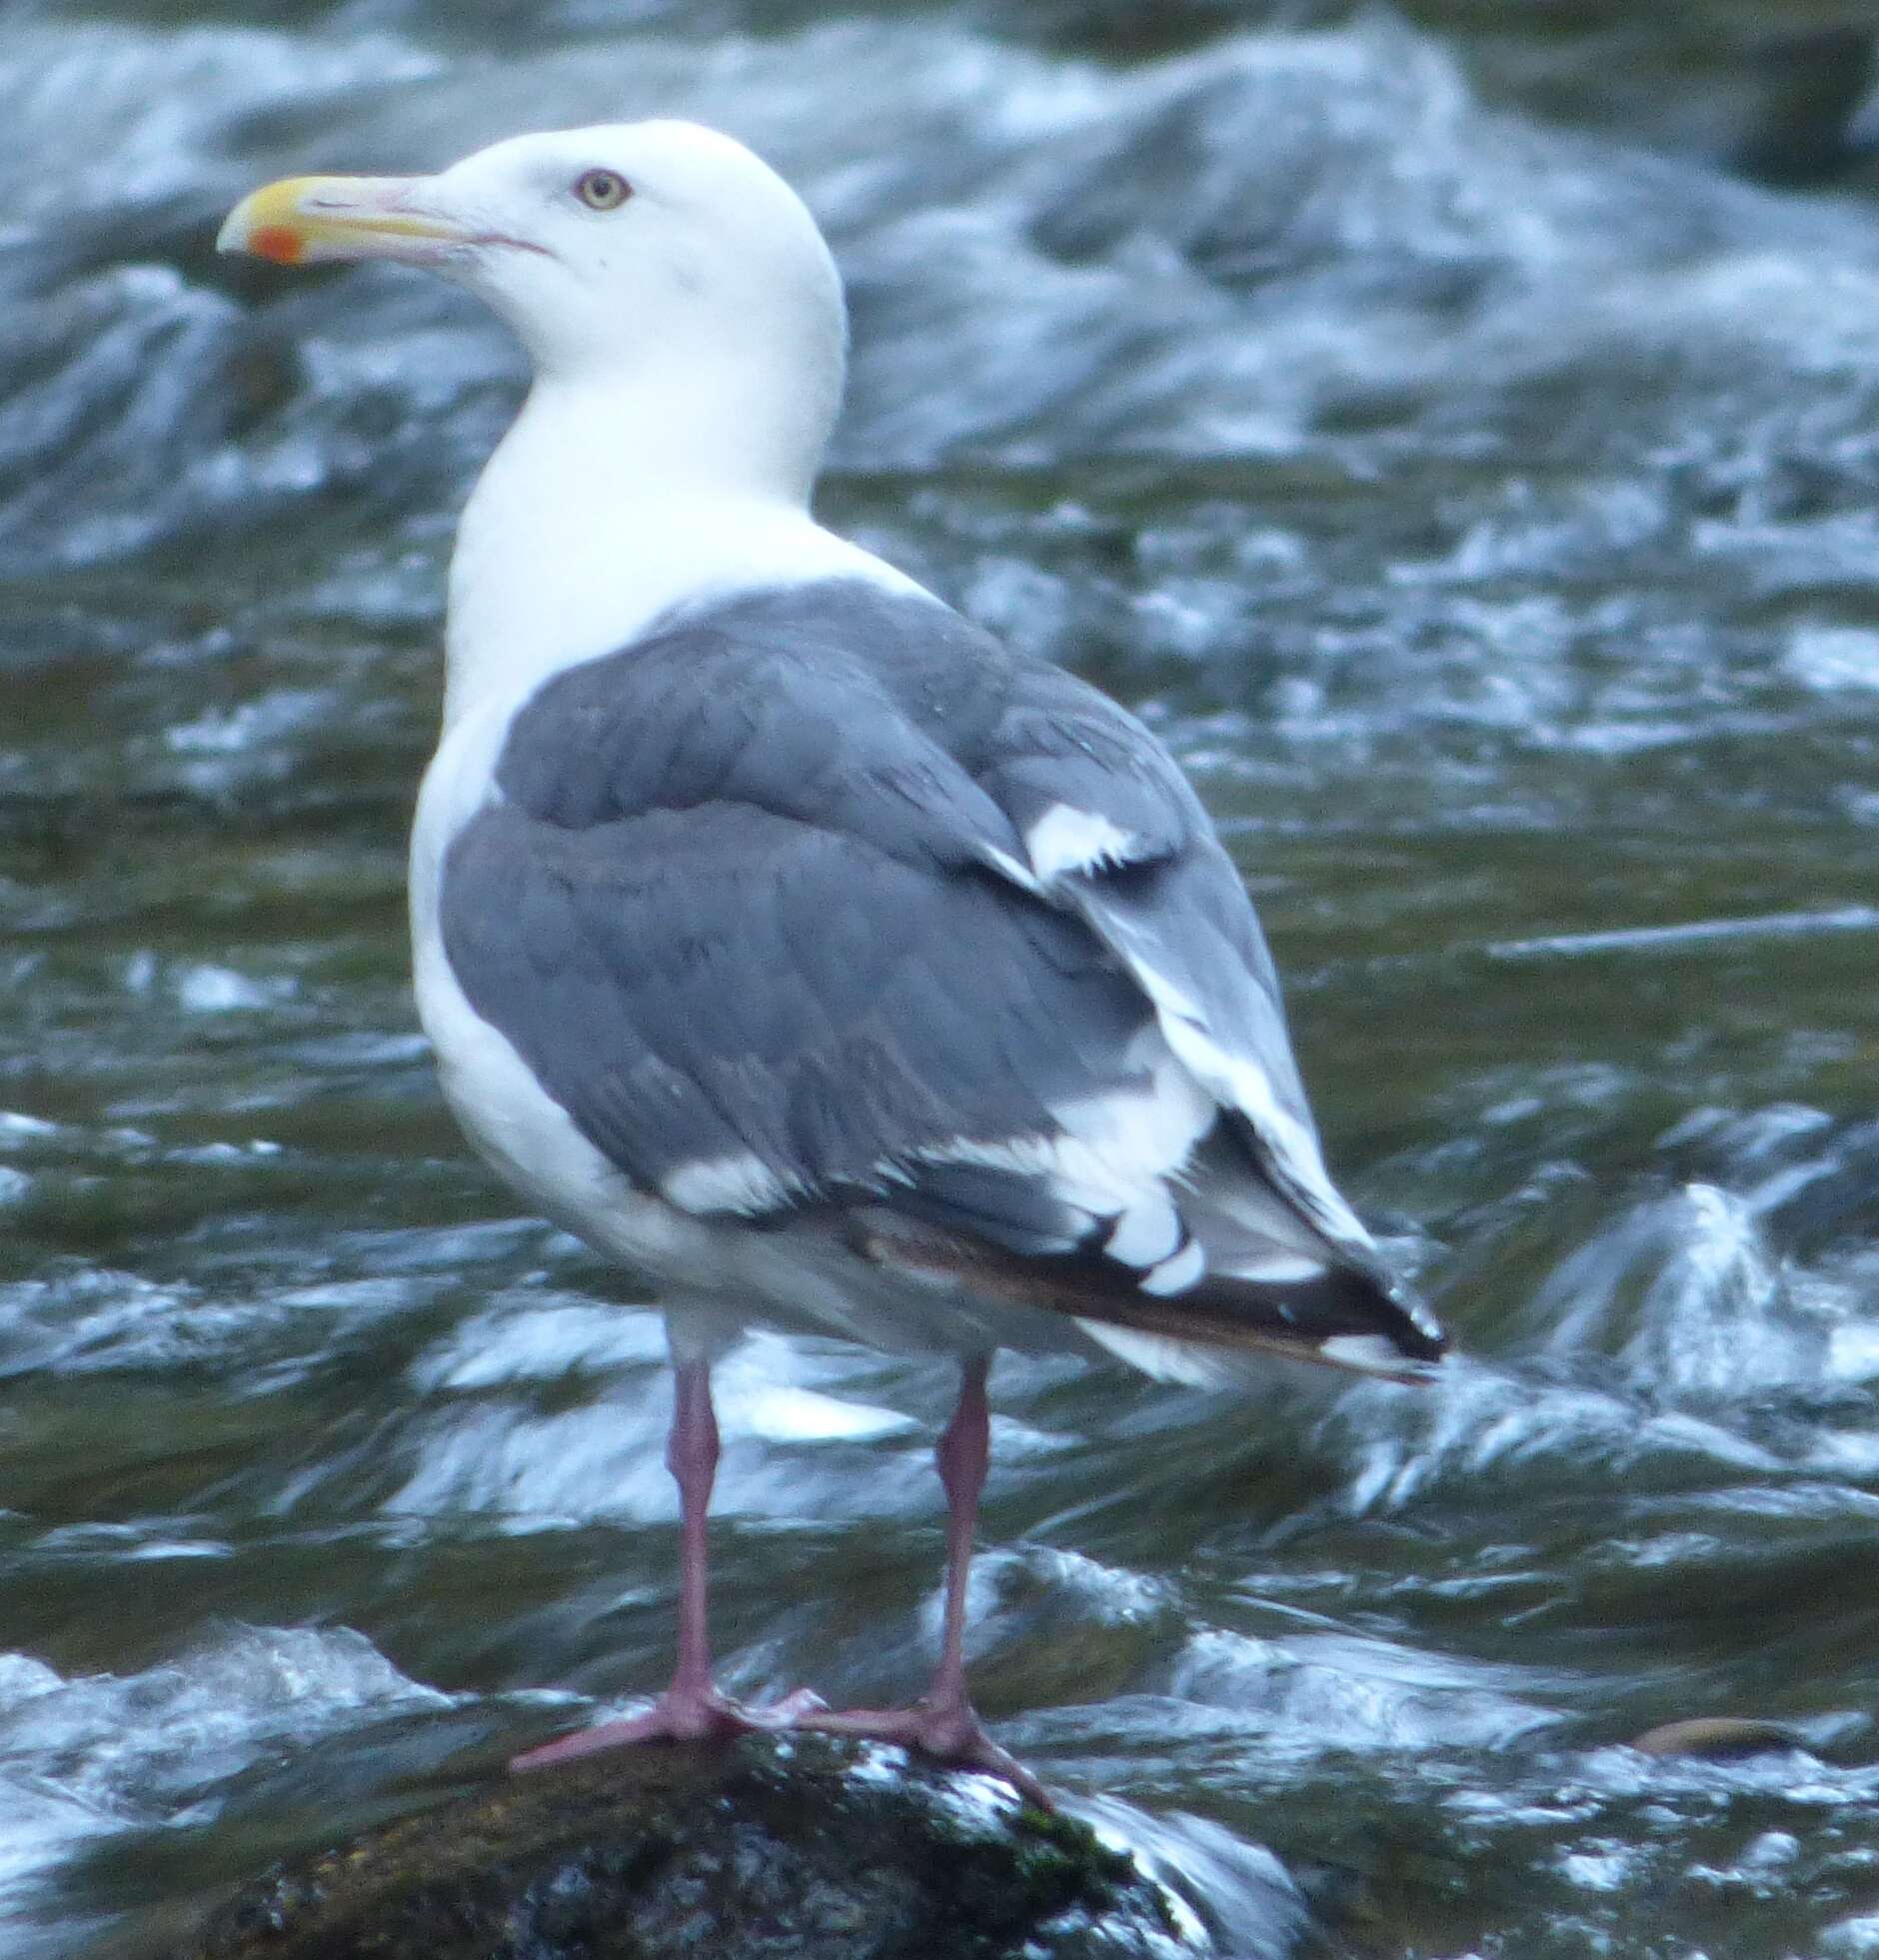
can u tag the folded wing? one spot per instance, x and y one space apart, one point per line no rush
818 905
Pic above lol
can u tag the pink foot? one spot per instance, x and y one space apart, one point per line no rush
675 1717
949 1731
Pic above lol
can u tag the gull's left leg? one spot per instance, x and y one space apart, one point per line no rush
945 1724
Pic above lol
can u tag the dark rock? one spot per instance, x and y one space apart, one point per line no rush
757 1849
1811 127
1720 1738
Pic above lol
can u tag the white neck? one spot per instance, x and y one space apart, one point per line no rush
609 503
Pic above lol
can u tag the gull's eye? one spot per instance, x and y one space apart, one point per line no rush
601 190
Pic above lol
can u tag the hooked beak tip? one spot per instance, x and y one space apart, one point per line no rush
299 220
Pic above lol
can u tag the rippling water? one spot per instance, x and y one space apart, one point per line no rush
1485 511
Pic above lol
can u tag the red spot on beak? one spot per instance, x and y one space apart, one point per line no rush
277 242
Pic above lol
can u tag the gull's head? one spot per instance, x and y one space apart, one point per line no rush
620 247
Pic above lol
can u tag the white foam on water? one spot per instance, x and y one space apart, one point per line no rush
1315 1691
87 1754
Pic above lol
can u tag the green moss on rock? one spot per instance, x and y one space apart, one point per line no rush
767 1847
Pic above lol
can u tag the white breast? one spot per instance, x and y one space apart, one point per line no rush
516 621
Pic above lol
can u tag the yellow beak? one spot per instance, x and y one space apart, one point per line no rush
304 220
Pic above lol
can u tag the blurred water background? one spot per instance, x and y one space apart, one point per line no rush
1458 432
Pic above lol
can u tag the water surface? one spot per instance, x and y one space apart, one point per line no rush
1482 504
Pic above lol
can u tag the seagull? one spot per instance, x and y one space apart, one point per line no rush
778 931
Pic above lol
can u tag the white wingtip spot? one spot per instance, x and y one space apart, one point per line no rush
1277 1270
1066 838
1146 1233
1175 1276
1373 1353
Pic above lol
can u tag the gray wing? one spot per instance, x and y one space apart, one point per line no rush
766 905
725 991
1113 832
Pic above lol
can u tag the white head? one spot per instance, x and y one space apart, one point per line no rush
655 264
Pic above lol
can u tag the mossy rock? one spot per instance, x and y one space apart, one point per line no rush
766 1847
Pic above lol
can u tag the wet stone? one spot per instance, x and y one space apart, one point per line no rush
1721 1738
757 1849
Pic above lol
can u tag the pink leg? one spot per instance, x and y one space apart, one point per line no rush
691 1708
692 1457
945 1724
962 1454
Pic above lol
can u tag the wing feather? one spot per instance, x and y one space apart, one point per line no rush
821 903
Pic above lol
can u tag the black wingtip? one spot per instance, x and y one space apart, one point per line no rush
1348 1317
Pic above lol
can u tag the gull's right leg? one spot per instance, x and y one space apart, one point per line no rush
691 1710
